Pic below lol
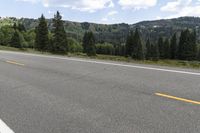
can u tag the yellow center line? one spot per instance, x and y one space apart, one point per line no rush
177 98
15 63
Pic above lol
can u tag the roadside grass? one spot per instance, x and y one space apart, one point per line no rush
170 63
9 48
25 50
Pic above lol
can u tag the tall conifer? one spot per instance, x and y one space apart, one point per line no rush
173 47
42 39
166 49
148 50
138 50
89 44
59 41
15 40
161 47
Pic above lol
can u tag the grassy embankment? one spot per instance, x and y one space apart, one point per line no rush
172 63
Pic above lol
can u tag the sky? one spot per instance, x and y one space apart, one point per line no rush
101 11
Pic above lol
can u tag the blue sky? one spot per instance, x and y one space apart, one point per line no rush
101 11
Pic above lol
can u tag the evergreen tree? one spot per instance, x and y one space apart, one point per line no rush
59 41
193 43
1 37
173 47
15 40
89 44
166 49
198 56
138 51
187 46
182 45
120 50
161 47
155 52
129 44
21 27
42 39
149 50
85 42
91 51
15 26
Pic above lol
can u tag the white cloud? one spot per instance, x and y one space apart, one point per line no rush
181 8
111 13
176 5
82 5
50 12
105 19
137 4
109 16
32 1
158 18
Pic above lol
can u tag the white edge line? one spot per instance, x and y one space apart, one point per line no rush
108 63
4 128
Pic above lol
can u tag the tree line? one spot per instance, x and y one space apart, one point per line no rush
56 40
42 38
181 47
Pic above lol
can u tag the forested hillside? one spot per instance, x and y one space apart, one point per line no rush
117 33
151 40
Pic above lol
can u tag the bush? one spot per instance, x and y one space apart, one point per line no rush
74 46
6 33
29 37
106 49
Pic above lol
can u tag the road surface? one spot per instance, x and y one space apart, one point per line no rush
55 94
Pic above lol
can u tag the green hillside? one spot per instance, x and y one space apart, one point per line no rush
117 33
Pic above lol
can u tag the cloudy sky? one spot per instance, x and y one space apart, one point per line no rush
101 11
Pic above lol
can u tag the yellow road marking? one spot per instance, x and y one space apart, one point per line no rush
178 98
15 63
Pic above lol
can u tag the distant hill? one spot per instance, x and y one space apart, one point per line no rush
117 33
167 27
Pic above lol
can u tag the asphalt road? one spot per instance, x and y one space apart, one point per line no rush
54 94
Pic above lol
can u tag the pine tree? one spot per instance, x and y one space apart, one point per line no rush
89 44
173 47
60 44
15 26
42 39
15 40
21 27
198 56
161 47
129 44
148 50
155 52
91 51
193 43
138 51
85 42
182 43
166 49
187 46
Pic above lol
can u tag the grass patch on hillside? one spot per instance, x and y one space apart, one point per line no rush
171 63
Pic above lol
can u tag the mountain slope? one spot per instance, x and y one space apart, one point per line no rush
116 33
